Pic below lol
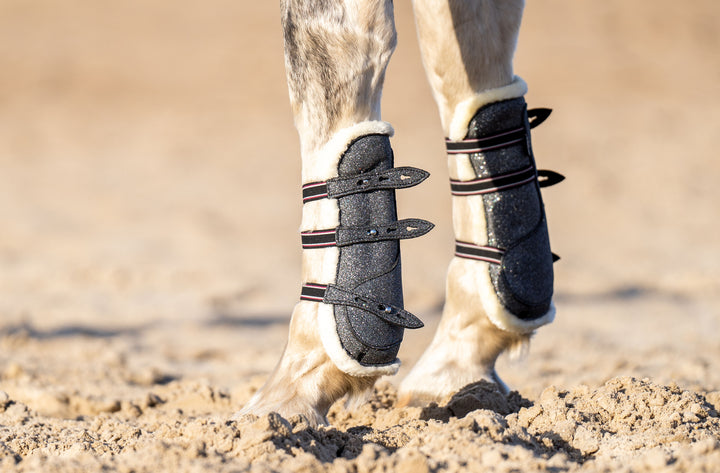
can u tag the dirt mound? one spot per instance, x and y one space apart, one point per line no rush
622 417
624 424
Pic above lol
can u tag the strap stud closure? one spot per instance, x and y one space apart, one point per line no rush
393 178
343 236
331 294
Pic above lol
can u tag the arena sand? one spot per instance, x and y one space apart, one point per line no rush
149 256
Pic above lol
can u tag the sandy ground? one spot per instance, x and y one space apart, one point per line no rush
149 256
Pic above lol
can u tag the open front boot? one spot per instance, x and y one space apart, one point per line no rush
361 313
514 247
500 283
347 328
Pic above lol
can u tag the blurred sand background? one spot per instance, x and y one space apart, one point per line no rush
150 205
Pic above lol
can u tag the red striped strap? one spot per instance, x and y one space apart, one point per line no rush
494 183
488 254
498 140
343 236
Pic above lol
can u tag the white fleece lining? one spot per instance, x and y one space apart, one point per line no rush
320 264
473 230
497 313
466 110
322 164
334 349
321 214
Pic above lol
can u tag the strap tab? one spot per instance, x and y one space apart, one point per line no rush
331 294
400 230
538 115
343 236
394 178
547 178
387 312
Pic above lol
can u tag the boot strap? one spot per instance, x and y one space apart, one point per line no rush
488 254
506 181
331 294
395 178
344 236
499 140
500 182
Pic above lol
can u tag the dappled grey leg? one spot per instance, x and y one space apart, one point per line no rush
346 330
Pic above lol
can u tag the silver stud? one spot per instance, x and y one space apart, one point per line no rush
372 232
388 309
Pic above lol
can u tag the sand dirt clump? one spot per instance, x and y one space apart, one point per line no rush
624 425
149 253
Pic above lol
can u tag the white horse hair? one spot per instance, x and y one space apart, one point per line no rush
336 54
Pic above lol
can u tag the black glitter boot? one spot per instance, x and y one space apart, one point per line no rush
363 332
515 244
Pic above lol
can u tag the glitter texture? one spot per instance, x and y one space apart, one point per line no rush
515 217
369 269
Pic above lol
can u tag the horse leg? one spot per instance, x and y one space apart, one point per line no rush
346 330
499 285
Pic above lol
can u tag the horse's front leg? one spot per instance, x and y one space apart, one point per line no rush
499 284
346 330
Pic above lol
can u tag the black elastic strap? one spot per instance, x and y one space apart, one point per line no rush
331 294
478 252
318 239
313 292
314 191
502 182
488 254
486 143
493 183
499 140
